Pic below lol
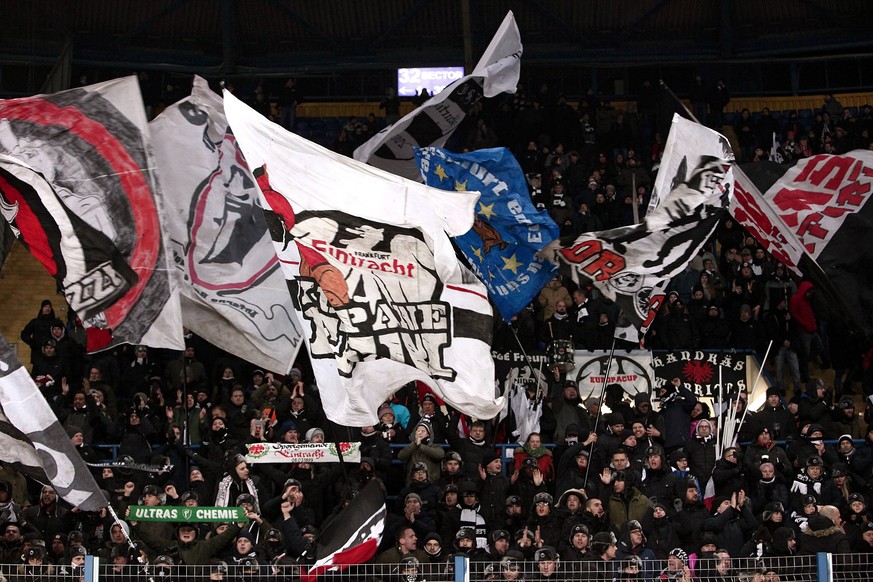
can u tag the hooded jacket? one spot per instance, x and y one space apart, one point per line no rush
701 453
38 329
821 535
425 452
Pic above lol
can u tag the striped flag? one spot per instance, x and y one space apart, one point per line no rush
432 124
34 442
353 536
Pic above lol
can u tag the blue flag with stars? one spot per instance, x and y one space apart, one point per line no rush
508 230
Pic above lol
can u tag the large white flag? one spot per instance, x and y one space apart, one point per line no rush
233 291
372 273
79 162
392 149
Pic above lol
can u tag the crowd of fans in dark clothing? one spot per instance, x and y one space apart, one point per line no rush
619 494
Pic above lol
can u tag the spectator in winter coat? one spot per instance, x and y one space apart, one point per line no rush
844 420
746 332
691 513
775 417
627 502
765 449
533 449
548 298
568 412
543 519
731 522
808 482
679 329
813 406
715 331
676 404
428 493
824 533
664 534
373 446
527 482
38 329
632 542
430 412
422 450
658 480
652 421
768 489
573 469
810 342
134 431
494 487
701 451
472 449
728 474
811 444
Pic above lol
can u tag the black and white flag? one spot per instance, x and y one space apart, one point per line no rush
432 124
34 442
633 264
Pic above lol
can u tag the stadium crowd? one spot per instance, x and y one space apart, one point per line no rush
630 487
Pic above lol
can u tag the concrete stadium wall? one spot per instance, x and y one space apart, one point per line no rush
24 283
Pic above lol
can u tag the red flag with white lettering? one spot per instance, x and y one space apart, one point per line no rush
817 218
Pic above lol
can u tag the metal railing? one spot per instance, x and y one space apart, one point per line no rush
797 568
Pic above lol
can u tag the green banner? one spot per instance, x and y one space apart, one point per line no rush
192 514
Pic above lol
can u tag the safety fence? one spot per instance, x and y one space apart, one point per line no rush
802 568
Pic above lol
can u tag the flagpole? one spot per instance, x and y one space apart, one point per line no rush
673 95
600 406
527 359
130 542
339 453
757 379
733 424
186 438
718 430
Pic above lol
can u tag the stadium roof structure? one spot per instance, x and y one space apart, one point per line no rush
264 37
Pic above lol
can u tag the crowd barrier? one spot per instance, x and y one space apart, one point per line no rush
799 568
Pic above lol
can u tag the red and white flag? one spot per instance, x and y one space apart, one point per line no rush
817 218
353 536
88 150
